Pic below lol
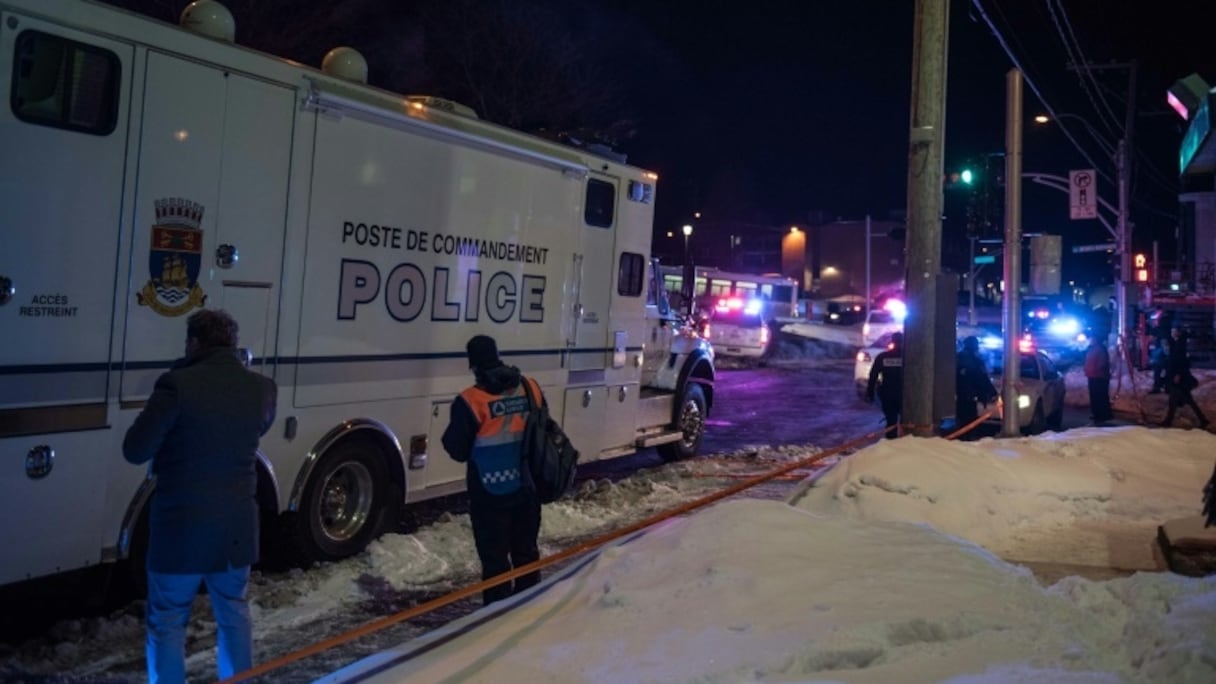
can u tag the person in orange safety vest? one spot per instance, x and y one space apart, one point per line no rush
485 431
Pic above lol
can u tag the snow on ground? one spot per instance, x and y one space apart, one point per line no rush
1090 496
889 568
886 569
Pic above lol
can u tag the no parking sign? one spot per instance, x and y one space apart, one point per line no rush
1082 194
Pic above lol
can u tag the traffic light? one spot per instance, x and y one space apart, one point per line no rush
1141 264
964 178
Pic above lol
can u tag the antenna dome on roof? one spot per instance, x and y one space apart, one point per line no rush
345 62
209 18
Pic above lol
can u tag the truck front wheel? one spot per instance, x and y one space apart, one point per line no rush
690 421
348 502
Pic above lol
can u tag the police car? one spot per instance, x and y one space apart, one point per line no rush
888 318
737 327
1039 385
1058 331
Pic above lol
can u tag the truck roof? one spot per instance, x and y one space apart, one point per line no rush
95 17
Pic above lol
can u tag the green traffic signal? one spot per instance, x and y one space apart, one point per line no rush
967 176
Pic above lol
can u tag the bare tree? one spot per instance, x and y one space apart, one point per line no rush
522 63
553 68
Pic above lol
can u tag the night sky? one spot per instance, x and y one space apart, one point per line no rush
767 113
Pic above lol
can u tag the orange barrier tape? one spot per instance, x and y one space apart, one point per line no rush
590 545
992 412
739 476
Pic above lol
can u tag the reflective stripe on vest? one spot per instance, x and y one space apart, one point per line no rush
496 447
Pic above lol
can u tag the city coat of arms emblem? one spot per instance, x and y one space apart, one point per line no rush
175 259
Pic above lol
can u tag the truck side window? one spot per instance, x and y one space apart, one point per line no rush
631 274
65 84
601 200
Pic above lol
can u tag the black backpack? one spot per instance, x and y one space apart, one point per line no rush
548 459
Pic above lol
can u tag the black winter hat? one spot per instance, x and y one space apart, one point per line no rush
483 352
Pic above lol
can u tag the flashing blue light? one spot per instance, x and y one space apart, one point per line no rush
1064 327
753 307
991 342
897 309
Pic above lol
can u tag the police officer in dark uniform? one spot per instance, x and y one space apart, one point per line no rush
887 374
486 431
972 382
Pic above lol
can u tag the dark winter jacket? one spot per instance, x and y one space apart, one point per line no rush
200 429
1178 367
972 382
493 455
1157 356
1097 362
889 368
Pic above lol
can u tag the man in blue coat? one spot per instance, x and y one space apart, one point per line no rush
200 430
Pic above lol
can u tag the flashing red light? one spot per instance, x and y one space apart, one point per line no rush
731 304
705 331
1026 344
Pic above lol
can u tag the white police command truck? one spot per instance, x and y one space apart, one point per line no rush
359 237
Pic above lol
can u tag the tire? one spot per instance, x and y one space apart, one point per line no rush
690 419
1055 420
347 503
1038 424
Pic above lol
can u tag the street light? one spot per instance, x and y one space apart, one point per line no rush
688 289
1043 119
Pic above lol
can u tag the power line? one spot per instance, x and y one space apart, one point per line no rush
1000 38
1154 174
1083 66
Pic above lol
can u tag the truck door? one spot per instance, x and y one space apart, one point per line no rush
210 210
64 124
253 208
594 265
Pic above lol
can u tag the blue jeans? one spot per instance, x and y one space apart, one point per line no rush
169 600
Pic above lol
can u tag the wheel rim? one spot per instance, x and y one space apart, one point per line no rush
691 423
346 501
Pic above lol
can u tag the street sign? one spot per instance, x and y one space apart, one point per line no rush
1082 194
986 259
1104 247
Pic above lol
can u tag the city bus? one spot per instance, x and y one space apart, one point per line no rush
779 293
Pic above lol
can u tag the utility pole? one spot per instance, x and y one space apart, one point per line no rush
1125 237
971 284
1123 241
1011 309
924 236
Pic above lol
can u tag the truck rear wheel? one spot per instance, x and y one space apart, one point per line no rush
347 503
690 420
